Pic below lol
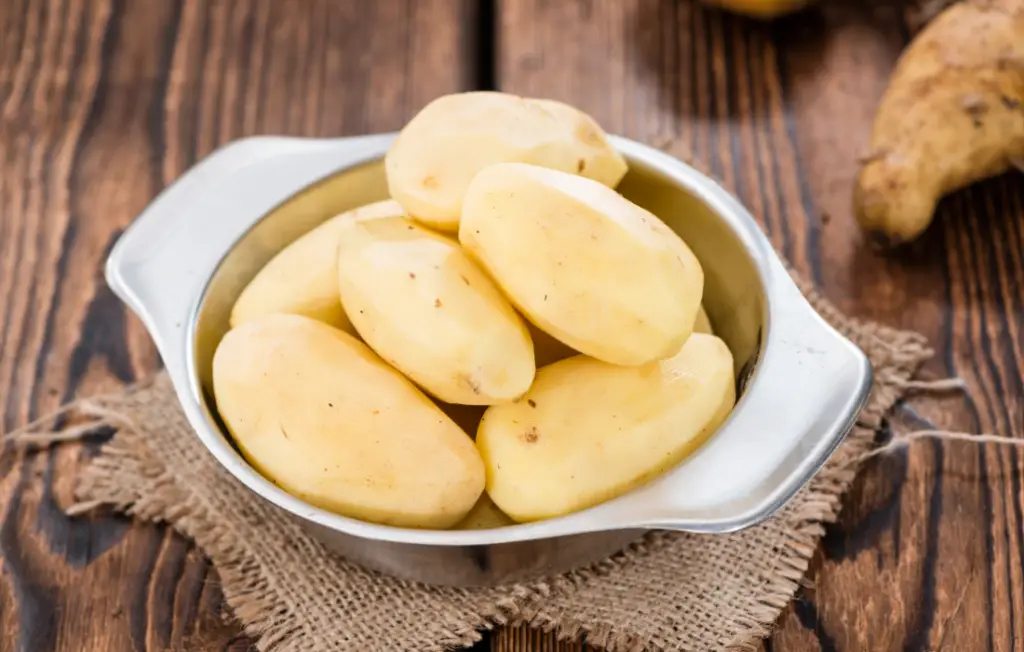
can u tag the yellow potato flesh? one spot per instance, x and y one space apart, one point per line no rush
583 263
588 431
442 148
421 303
318 413
302 279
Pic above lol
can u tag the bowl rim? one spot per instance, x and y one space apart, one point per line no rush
591 519
163 273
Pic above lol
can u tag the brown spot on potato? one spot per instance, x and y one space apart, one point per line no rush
284 432
531 435
429 181
437 303
581 165
464 279
411 275
532 403
471 382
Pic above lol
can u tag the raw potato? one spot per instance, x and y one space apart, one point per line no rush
953 114
485 515
419 301
587 431
442 148
302 279
703 324
318 413
582 262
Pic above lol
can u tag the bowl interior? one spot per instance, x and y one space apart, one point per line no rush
734 295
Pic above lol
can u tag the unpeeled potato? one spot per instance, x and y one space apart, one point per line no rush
439 151
318 413
582 262
421 303
951 116
588 431
302 279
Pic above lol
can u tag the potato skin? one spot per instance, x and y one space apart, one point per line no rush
588 431
425 307
583 263
318 413
951 116
302 279
437 154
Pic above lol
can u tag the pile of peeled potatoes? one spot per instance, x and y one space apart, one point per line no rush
506 339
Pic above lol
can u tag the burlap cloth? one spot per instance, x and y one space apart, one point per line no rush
668 591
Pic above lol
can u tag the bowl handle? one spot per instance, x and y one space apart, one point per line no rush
801 401
160 265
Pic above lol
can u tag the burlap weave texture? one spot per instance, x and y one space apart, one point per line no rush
669 591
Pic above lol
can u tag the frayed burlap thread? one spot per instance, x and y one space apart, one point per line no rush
667 591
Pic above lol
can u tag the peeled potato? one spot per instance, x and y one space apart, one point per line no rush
703 324
441 149
583 263
588 431
302 279
485 515
319 414
424 306
597 159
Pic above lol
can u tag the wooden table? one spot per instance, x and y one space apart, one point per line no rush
103 102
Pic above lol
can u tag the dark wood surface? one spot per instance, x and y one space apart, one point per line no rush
103 102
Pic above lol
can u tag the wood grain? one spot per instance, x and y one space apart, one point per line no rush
928 554
102 103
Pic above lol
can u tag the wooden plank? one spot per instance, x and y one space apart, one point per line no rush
928 552
102 103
